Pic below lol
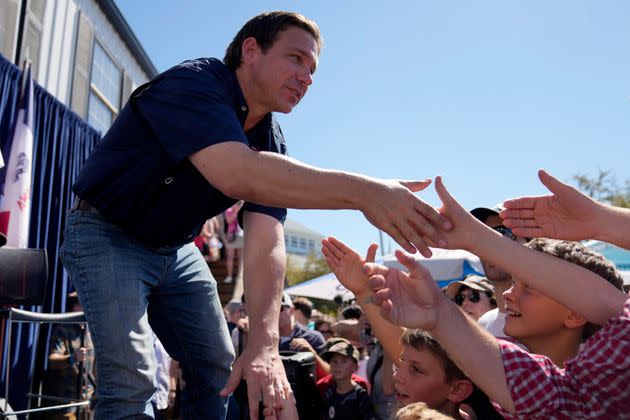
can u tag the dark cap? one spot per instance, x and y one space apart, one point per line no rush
482 213
340 346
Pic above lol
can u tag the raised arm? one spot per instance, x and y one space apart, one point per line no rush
347 265
264 269
573 286
276 180
566 214
414 300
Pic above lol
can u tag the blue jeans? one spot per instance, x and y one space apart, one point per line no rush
127 290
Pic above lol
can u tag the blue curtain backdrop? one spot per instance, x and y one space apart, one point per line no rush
62 141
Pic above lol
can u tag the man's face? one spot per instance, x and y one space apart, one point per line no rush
284 72
285 320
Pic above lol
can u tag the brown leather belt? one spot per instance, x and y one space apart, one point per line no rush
85 206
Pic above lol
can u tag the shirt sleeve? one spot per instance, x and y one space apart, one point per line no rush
189 109
533 380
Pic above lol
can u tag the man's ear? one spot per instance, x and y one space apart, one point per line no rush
574 320
460 390
249 49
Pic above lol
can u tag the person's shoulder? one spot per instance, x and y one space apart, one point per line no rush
201 73
359 380
488 317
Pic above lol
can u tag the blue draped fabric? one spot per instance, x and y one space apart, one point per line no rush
62 141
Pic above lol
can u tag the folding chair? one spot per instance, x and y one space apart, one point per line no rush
23 279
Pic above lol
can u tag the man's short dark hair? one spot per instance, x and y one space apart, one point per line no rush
352 312
304 305
265 29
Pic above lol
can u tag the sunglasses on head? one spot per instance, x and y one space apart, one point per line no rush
507 232
473 298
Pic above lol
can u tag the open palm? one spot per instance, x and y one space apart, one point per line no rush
347 264
407 299
566 214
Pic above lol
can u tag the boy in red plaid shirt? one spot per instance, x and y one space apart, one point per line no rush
593 384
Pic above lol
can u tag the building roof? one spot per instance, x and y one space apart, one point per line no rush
126 34
293 226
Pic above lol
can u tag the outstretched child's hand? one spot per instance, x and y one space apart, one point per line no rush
347 264
412 299
466 228
565 214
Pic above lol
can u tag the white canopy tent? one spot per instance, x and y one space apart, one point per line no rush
445 266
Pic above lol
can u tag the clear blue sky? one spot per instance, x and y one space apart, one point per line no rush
482 93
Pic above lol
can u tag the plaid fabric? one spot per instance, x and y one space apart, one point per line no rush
595 384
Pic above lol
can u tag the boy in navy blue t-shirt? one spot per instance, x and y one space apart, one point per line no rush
345 399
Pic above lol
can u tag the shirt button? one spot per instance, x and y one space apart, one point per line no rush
168 180
243 108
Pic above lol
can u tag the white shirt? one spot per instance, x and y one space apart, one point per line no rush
494 321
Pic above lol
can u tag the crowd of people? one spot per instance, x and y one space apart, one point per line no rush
544 335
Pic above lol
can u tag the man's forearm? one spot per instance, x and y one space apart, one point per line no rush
263 274
279 181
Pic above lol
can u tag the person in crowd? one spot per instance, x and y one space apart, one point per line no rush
593 384
208 240
234 312
323 325
494 320
70 364
203 133
351 312
234 242
326 381
344 398
293 335
419 411
541 323
162 396
474 294
425 373
303 311
379 371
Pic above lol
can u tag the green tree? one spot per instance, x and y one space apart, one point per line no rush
603 187
297 272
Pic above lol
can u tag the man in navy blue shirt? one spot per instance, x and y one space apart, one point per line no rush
187 146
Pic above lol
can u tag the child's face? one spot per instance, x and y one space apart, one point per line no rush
530 314
420 378
342 367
